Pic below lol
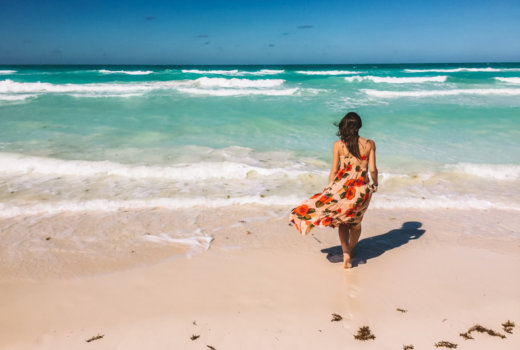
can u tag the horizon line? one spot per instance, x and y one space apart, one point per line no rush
252 64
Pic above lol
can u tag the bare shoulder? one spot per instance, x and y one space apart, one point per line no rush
372 144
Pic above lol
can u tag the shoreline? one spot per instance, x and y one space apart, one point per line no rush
272 288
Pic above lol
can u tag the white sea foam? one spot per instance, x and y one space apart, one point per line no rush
381 201
488 171
240 92
5 97
238 83
9 86
454 70
451 92
461 202
268 72
11 163
397 80
129 72
195 239
326 72
234 72
204 85
512 80
8 71
39 208
220 72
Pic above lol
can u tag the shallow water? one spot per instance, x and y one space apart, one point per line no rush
85 138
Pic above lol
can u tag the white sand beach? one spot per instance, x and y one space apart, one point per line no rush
261 285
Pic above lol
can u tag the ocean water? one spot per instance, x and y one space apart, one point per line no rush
86 138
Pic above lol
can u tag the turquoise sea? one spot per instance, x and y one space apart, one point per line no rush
82 138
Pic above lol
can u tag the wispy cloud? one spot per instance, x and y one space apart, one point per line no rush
284 33
271 45
149 18
305 26
202 36
56 52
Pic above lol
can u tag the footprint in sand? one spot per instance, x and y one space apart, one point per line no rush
353 291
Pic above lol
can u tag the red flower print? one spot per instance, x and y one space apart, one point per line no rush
326 221
351 192
316 195
348 167
301 210
363 157
325 199
351 182
349 213
317 222
360 182
341 173
338 211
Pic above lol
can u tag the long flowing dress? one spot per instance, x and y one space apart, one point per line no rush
343 201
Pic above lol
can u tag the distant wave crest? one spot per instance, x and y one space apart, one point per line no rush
451 92
455 70
237 83
201 86
233 72
397 80
513 80
129 72
2 72
326 72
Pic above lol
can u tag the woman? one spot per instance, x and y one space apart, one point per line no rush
344 201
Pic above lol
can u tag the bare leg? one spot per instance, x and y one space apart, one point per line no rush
344 238
355 232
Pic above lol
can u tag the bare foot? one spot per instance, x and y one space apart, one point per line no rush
347 264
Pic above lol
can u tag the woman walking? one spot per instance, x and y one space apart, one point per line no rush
344 201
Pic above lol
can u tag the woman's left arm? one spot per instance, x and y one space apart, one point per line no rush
335 162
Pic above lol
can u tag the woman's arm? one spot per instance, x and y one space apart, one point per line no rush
335 162
372 164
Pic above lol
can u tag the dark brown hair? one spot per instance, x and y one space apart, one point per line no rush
348 129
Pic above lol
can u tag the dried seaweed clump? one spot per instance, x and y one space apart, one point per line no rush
445 344
364 333
336 317
194 336
408 347
96 337
211 347
466 336
508 327
480 329
401 310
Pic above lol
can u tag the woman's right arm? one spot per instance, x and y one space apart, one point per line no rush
372 164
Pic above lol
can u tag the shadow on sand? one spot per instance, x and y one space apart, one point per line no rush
372 247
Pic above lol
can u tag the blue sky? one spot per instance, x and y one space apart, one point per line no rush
258 32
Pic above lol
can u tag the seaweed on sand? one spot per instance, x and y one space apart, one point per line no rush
480 329
336 317
445 344
211 347
194 336
408 347
364 333
508 327
96 337
401 310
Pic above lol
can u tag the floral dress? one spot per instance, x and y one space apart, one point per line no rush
343 201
